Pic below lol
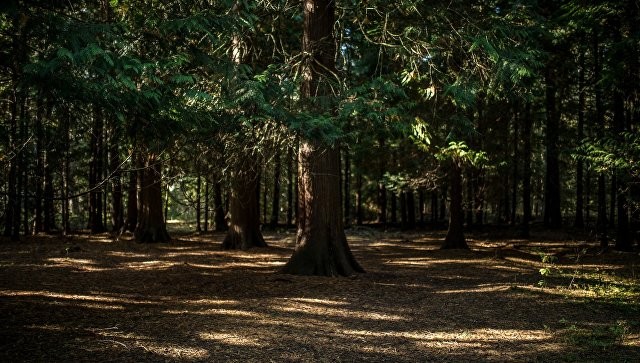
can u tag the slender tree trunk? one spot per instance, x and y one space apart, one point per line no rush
275 201
218 208
526 171
359 201
39 177
403 211
601 222
117 213
23 176
95 172
132 194
394 209
290 184
321 246
198 201
206 205
455 234
421 207
552 214
579 221
151 226
12 213
623 238
469 203
516 162
434 208
66 173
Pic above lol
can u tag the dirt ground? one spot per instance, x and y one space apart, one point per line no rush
89 298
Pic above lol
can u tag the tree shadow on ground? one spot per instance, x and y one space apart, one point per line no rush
190 301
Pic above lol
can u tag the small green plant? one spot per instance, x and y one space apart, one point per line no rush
549 269
602 337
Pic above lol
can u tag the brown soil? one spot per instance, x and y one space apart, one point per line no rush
88 298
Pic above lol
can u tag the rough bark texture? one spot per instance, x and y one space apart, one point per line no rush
455 233
244 214
132 196
151 226
321 246
579 220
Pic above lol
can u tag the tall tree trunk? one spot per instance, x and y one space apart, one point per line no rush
321 246
403 211
552 214
117 213
470 197
526 171
394 209
623 238
151 226
275 201
516 162
95 173
421 207
66 173
601 222
579 221
12 212
39 177
455 234
244 228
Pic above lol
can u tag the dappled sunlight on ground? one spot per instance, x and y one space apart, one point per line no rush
91 298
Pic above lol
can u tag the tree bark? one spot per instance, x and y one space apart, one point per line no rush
321 246
346 193
206 204
244 213
411 209
601 221
359 201
455 234
95 173
198 200
151 226
117 213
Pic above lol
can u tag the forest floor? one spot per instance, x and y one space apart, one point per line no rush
552 298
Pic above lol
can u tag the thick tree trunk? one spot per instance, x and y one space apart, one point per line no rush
275 201
151 226
244 228
552 214
455 233
623 238
321 246
470 198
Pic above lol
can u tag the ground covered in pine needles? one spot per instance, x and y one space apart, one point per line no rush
90 298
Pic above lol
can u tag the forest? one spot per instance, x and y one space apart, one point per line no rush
180 178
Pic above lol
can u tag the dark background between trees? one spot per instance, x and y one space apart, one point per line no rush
244 115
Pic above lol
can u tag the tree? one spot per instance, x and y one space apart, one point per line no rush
321 245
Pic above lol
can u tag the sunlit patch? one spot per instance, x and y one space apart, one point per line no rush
226 312
68 261
174 351
232 339
127 254
149 265
75 297
201 302
319 301
307 308
480 288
